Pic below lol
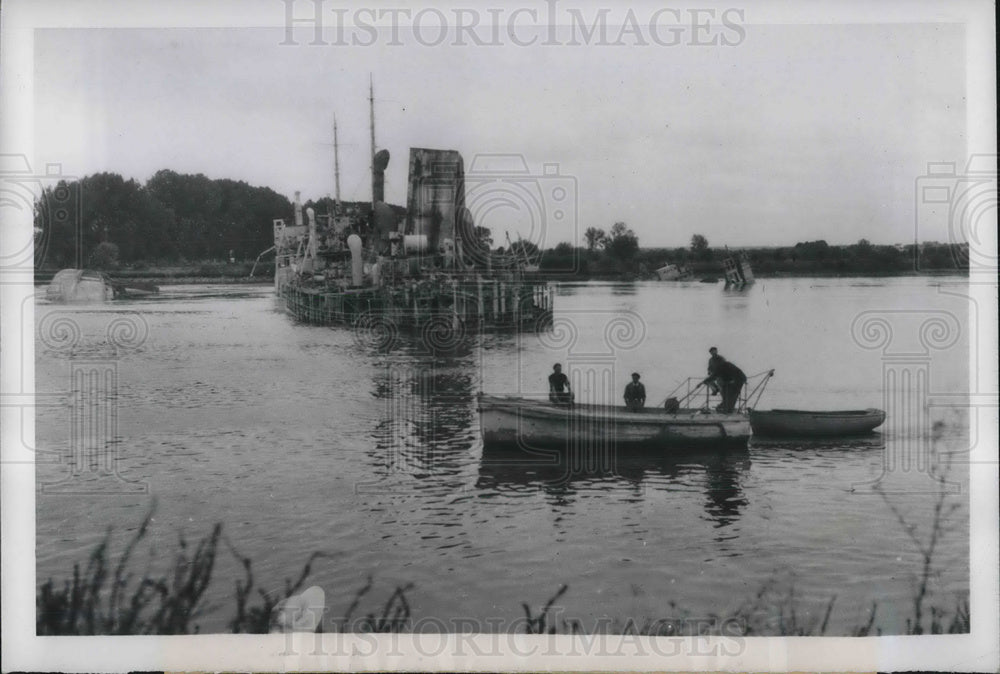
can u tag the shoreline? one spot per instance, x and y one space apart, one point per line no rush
165 278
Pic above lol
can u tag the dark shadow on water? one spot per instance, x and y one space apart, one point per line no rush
426 424
871 441
725 498
561 473
438 338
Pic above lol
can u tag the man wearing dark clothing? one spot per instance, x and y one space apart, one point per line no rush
559 391
635 394
733 380
714 363
728 378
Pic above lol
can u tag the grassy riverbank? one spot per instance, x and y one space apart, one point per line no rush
101 597
176 274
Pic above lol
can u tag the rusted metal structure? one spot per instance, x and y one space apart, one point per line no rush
737 269
429 270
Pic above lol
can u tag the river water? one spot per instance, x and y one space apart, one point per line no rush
215 406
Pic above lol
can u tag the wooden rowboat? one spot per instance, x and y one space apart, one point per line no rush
530 422
802 423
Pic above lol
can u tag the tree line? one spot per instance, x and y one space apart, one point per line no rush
173 218
104 221
617 253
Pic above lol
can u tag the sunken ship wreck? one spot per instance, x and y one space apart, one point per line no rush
430 270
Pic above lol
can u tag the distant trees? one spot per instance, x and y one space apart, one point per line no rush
104 257
812 250
524 250
484 236
73 218
595 238
699 248
623 244
57 225
172 217
104 220
212 217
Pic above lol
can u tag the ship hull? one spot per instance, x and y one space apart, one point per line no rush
446 304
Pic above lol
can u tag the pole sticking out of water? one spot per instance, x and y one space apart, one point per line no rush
336 162
371 113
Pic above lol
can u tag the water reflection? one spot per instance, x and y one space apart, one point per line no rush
561 475
725 498
426 419
568 289
870 441
624 288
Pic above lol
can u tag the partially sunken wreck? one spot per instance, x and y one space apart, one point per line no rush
428 270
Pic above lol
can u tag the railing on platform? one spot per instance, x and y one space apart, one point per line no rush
746 400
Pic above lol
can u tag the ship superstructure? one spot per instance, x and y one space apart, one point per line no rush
429 267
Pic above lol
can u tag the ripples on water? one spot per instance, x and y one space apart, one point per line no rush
302 438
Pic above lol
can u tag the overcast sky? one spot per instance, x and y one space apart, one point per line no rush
788 133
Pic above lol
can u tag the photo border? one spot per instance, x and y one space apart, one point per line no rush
977 651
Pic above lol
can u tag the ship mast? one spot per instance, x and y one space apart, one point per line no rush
371 113
336 162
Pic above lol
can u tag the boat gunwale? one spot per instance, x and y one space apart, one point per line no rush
806 424
853 414
651 416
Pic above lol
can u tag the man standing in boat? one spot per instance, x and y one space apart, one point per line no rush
635 394
727 377
559 391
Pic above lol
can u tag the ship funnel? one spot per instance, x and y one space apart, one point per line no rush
384 220
435 195
379 164
357 268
